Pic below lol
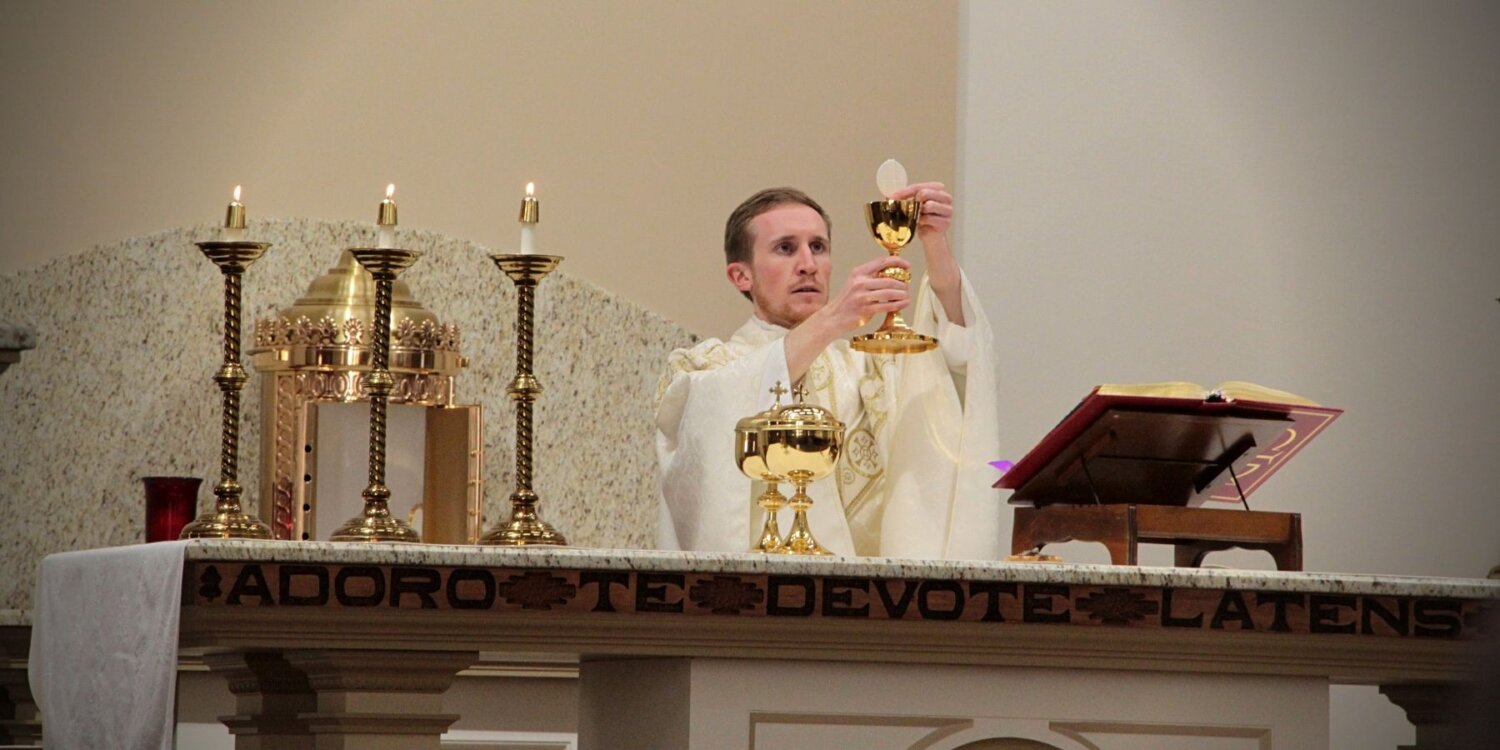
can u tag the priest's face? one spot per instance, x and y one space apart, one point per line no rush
787 276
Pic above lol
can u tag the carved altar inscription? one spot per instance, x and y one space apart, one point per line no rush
507 590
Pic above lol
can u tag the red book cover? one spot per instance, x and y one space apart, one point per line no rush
1150 425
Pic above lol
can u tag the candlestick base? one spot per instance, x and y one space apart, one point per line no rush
226 520
226 526
375 525
524 527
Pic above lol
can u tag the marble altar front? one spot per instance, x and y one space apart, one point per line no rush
333 645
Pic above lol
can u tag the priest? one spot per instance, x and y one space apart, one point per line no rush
912 479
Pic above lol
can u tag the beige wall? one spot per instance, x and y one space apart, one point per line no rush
1298 194
643 123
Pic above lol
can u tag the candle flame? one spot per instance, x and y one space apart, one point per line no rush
530 189
390 190
236 193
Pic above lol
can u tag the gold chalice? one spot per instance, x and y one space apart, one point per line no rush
749 456
894 224
802 442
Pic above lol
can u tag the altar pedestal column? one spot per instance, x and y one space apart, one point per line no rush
339 699
1435 710
271 698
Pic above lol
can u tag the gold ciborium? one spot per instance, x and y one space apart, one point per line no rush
802 442
894 224
749 456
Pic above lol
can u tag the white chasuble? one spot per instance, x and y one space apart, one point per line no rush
913 478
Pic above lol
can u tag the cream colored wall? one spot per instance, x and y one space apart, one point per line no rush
643 123
1302 195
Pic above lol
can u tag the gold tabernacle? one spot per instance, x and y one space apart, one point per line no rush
313 357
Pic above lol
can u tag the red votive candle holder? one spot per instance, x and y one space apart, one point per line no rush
171 503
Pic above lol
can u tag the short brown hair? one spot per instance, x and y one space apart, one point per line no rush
737 239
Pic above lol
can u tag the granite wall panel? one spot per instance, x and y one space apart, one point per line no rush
122 388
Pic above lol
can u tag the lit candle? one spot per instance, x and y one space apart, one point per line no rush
387 219
234 219
530 214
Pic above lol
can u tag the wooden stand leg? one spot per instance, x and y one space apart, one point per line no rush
1126 551
1024 534
1194 532
1113 526
1288 555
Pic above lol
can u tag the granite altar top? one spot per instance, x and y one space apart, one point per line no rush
15 617
873 567
17 336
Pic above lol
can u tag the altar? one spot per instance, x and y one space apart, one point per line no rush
347 645
317 644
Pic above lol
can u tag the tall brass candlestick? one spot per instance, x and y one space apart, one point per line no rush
227 520
524 526
375 523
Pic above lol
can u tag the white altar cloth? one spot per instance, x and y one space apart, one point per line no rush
104 646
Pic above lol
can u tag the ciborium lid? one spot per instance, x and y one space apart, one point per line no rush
802 437
329 329
803 416
756 421
748 443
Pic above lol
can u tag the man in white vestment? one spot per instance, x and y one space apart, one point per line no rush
912 479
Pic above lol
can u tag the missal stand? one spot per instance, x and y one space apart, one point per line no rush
1135 464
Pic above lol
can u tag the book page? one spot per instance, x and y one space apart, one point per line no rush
1236 389
1233 390
1177 389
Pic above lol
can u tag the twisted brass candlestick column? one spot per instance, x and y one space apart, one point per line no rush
227 520
524 526
375 523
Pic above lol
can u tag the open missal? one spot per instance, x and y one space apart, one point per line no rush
1175 444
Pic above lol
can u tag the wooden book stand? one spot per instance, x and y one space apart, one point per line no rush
1122 471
